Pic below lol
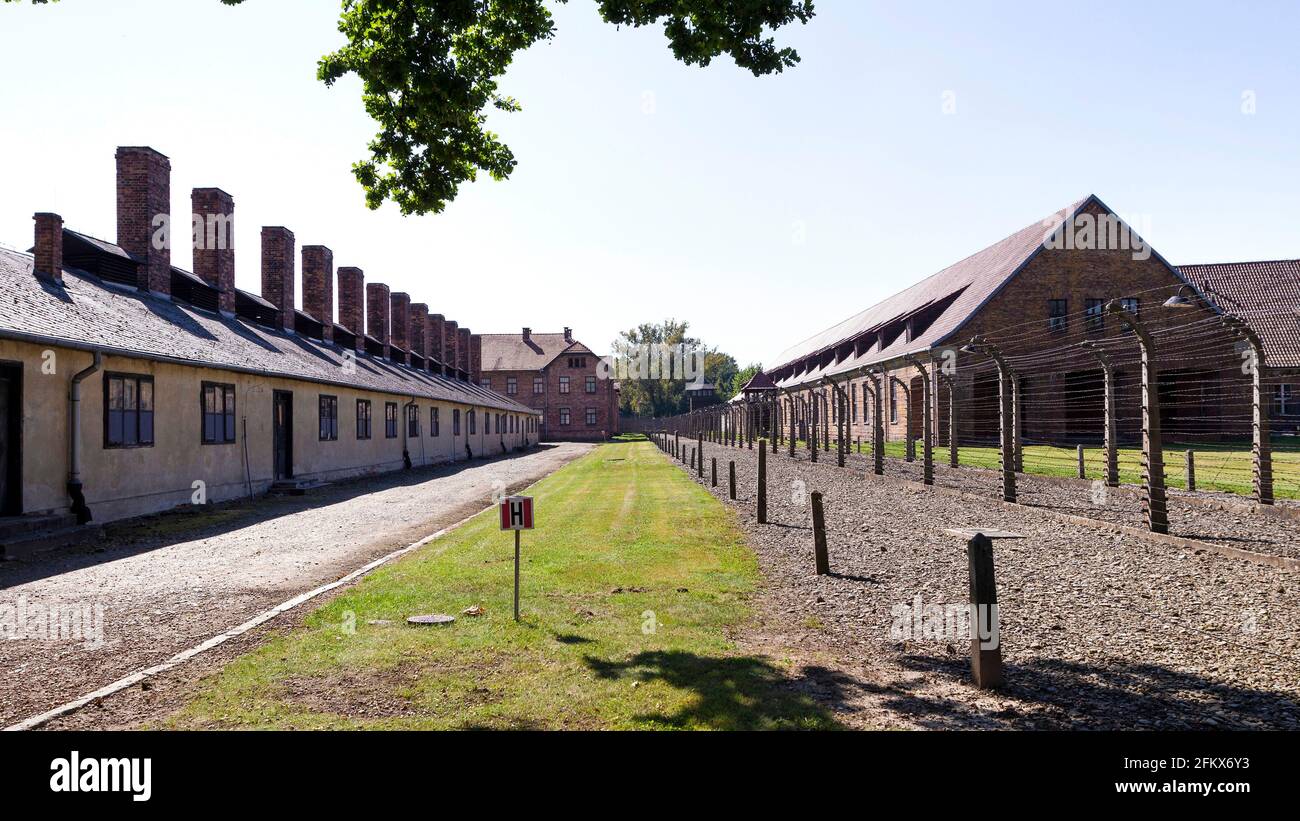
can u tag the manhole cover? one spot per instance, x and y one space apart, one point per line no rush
432 618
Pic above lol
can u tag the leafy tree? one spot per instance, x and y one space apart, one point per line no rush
650 386
429 72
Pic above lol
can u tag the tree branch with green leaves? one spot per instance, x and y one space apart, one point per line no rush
429 71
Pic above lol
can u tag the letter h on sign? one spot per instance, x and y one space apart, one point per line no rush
517 513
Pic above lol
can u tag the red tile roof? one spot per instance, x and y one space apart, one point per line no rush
969 283
1266 295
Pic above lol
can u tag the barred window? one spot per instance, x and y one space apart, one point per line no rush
329 418
218 413
128 411
1056 314
363 418
390 420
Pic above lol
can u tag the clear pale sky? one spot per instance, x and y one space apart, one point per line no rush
760 209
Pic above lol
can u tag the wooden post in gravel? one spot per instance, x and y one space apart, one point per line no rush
1191 470
1082 473
762 483
731 481
713 471
1110 440
1153 468
819 535
700 465
692 458
985 661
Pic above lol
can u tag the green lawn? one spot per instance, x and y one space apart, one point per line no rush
631 584
1218 467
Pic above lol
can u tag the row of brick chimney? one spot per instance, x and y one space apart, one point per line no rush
365 309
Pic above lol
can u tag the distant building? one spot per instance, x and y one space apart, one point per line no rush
701 395
556 375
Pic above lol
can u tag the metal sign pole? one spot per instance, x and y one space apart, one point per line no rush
516 575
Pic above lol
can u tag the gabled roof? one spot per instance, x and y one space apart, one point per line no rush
1265 295
967 284
760 381
511 352
88 313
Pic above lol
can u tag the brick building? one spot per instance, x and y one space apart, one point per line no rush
556 375
1038 298
127 383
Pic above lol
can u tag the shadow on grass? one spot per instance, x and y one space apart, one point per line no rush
732 692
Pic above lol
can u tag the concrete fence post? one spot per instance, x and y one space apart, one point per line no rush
819 535
762 483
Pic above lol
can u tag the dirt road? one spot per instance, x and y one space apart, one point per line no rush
161 585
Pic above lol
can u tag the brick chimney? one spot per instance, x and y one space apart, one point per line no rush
568 334
462 349
318 286
277 271
352 303
214 242
420 331
528 334
476 358
49 247
144 205
450 345
437 341
401 325
378 306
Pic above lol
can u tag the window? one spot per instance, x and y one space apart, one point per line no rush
218 413
472 430
390 420
539 385
1284 401
329 418
591 384
363 418
1095 312
564 384
564 416
433 422
591 416
413 421
455 421
512 385
1130 304
577 362
128 411
487 382
1056 311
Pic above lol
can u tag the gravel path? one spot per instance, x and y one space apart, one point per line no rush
172 581
1099 630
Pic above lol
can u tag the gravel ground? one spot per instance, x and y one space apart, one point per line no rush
169 582
1099 630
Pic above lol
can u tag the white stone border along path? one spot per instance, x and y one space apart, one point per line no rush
234 632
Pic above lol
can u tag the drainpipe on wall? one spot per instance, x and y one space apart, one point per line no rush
406 453
75 491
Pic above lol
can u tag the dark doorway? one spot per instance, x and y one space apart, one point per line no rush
11 440
283 436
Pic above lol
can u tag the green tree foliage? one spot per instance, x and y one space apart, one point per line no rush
650 390
429 72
